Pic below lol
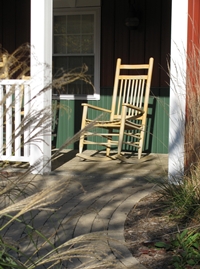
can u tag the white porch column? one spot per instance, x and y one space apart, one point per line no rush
41 77
177 87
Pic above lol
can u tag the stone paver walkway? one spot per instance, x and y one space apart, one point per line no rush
110 191
99 197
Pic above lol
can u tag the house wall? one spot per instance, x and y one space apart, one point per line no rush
191 143
151 39
14 23
193 24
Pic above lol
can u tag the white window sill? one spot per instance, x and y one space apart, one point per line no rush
76 97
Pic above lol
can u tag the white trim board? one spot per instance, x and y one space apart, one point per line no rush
177 87
41 78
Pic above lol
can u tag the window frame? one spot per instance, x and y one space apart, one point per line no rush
97 23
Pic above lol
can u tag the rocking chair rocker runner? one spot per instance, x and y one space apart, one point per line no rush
127 116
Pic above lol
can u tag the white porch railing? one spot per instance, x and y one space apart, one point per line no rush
14 110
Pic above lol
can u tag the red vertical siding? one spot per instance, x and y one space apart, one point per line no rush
8 24
137 37
193 23
122 42
150 39
164 41
107 42
14 23
153 37
193 42
1 21
192 124
22 22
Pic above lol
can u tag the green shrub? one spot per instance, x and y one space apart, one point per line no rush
182 196
185 247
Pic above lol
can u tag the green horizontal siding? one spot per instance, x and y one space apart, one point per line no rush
156 139
157 130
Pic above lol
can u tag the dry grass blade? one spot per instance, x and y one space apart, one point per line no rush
62 78
93 247
43 198
77 135
24 197
16 185
18 63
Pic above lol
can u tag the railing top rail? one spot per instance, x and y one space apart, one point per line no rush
14 81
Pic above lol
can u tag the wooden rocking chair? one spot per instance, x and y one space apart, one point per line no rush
128 114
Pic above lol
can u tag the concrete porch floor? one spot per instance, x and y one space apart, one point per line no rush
66 161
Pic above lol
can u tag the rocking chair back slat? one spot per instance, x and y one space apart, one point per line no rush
130 90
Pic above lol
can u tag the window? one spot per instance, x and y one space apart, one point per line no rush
77 44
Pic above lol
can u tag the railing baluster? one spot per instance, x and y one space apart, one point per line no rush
1 119
11 113
17 117
8 120
26 111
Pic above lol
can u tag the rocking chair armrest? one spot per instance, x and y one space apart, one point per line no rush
134 107
96 107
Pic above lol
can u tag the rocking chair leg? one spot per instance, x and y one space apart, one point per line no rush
141 144
81 144
107 151
139 152
108 141
83 124
121 131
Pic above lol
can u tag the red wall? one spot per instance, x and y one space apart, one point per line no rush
150 39
14 23
192 143
193 23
